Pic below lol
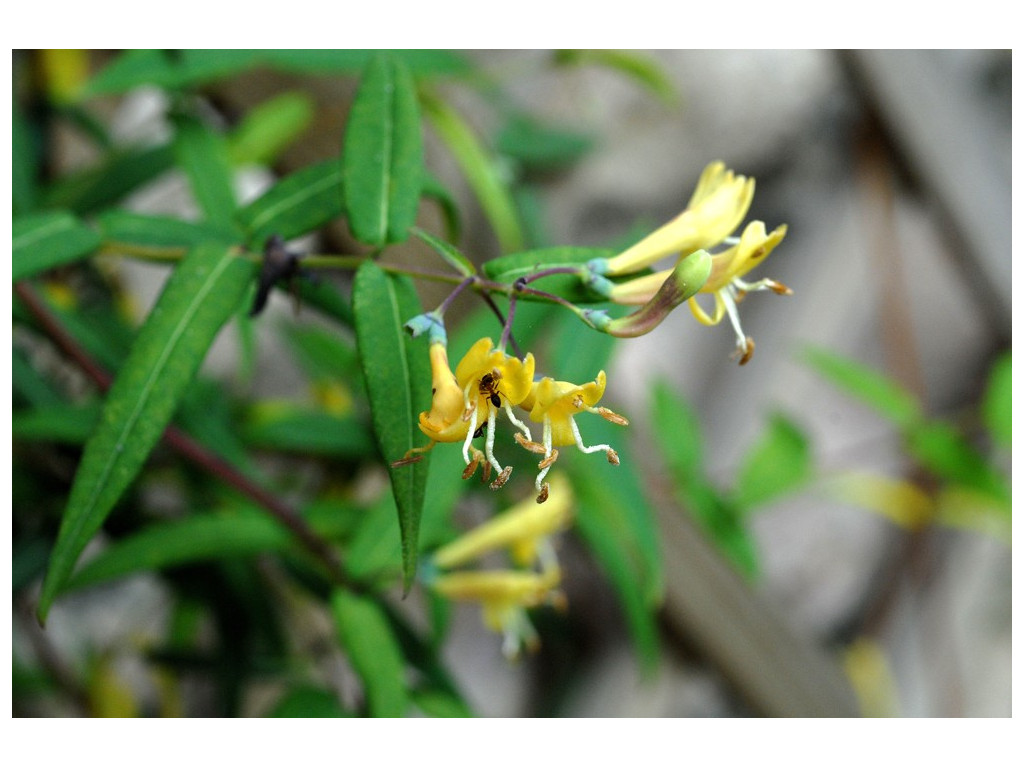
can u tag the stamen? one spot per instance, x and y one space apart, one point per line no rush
609 415
472 465
517 422
469 436
766 284
489 446
548 460
543 495
529 444
414 455
502 478
590 448
548 452
743 342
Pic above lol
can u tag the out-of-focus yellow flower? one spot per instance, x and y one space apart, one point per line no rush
504 597
555 404
523 530
715 210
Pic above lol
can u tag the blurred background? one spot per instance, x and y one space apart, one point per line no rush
864 586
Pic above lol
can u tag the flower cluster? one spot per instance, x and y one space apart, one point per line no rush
487 382
716 209
523 531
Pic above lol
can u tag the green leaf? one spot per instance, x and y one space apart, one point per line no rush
203 155
190 540
420 62
162 232
373 651
45 240
304 430
538 146
997 405
397 374
601 520
119 174
24 162
300 203
677 435
451 255
676 431
942 450
269 127
382 155
132 69
481 169
200 296
308 701
323 354
637 67
870 387
508 269
61 423
779 463
439 703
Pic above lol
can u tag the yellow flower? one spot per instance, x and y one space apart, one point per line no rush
728 287
717 207
485 381
491 380
524 530
504 597
555 404
443 422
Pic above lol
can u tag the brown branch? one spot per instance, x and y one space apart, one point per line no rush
189 447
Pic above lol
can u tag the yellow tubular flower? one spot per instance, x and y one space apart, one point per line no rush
504 596
554 404
728 287
523 530
443 422
489 381
715 210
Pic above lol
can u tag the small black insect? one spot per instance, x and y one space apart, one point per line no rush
279 264
489 386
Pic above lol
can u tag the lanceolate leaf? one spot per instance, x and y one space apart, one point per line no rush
299 203
157 232
481 170
382 155
397 373
779 463
203 537
201 295
203 155
373 652
270 127
870 387
42 241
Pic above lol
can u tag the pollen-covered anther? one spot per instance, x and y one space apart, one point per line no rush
609 415
501 479
547 461
530 445
613 457
780 288
745 351
543 495
474 462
